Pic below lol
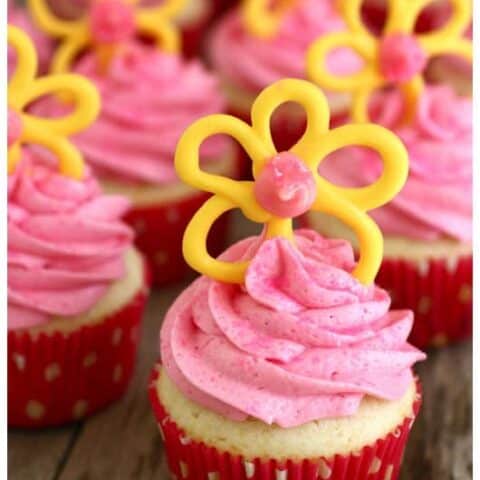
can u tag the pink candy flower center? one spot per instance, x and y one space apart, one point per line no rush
112 21
15 127
401 57
285 187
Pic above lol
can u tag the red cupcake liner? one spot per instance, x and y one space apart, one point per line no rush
439 292
190 460
63 377
193 35
159 234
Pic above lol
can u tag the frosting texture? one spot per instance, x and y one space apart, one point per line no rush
436 201
301 340
254 63
148 99
66 243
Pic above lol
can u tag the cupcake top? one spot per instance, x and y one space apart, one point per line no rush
300 340
397 58
436 201
255 62
287 327
150 94
66 242
433 122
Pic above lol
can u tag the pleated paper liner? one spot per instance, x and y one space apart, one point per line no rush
159 232
439 291
190 460
63 377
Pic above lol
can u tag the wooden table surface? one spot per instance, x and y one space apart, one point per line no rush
123 443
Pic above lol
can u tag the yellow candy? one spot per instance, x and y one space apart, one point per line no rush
52 134
401 19
264 20
348 204
76 35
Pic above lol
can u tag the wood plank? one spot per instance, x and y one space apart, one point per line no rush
38 455
123 442
440 446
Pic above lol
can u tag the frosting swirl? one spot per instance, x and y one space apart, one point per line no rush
437 198
255 63
148 100
301 340
66 243
436 201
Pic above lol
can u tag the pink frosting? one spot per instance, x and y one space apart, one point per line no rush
20 17
437 198
66 243
285 187
401 57
301 340
148 99
255 63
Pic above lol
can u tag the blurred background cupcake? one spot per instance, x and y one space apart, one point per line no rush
192 17
256 44
150 94
284 360
76 285
427 265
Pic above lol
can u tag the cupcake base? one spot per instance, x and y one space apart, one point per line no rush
439 291
159 232
191 460
56 377
161 213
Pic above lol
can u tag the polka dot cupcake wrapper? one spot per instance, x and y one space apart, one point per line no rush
190 460
438 291
62 377
159 232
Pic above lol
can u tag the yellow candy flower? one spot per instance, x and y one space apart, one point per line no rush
52 134
106 25
288 184
397 58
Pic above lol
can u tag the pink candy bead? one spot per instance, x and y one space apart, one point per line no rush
401 57
14 127
112 21
285 187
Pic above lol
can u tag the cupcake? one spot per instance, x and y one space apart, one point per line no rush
427 265
44 45
253 46
191 16
284 360
76 285
149 96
